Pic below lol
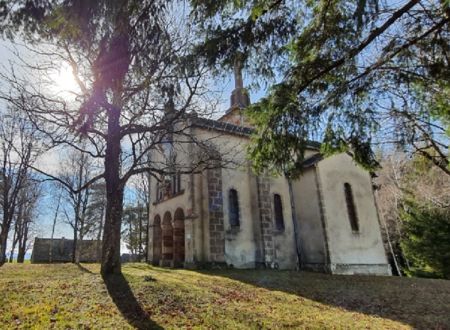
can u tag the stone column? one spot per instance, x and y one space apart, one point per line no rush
265 210
189 261
216 218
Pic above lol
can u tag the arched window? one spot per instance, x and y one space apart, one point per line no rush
159 190
351 209
278 210
233 208
176 183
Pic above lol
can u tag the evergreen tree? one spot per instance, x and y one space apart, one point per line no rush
346 70
413 199
426 241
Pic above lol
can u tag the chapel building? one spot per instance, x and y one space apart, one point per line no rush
227 216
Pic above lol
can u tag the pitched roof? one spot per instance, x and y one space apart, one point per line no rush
226 127
314 159
222 126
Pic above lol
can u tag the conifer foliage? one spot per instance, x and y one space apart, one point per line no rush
348 73
426 241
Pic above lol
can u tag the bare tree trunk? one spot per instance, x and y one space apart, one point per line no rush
79 246
14 242
114 196
102 220
75 237
77 250
100 232
84 206
12 185
18 227
4 230
3 245
50 254
4 226
23 244
77 218
141 249
111 233
147 228
130 231
388 238
80 241
78 211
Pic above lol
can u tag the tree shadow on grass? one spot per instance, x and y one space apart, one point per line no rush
153 268
84 269
126 302
417 302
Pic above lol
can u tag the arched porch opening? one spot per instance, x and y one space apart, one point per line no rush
178 238
167 240
157 240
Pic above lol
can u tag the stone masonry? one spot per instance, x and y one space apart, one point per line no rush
216 219
264 201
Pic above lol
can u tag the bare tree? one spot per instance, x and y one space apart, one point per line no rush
17 151
29 206
75 171
25 215
94 218
135 230
55 218
136 215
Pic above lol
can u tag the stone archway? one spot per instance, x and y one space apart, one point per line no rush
178 238
167 240
157 240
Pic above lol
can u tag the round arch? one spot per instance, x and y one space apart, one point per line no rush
167 240
178 238
156 220
157 240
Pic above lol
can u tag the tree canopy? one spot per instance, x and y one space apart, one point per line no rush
348 73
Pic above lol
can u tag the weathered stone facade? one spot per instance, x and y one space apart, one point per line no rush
238 219
315 235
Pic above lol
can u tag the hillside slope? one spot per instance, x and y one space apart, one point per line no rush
65 296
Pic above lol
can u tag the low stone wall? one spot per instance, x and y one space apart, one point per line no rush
46 250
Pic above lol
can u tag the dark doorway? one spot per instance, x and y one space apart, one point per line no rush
167 241
157 240
178 238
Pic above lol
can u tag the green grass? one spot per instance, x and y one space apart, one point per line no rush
65 296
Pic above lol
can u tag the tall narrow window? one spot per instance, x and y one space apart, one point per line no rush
351 209
176 183
278 210
159 191
233 208
174 178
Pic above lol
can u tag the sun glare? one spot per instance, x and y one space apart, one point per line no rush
63 80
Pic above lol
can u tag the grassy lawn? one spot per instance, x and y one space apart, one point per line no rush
69 297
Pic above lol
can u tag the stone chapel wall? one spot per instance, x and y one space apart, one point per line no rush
351 251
